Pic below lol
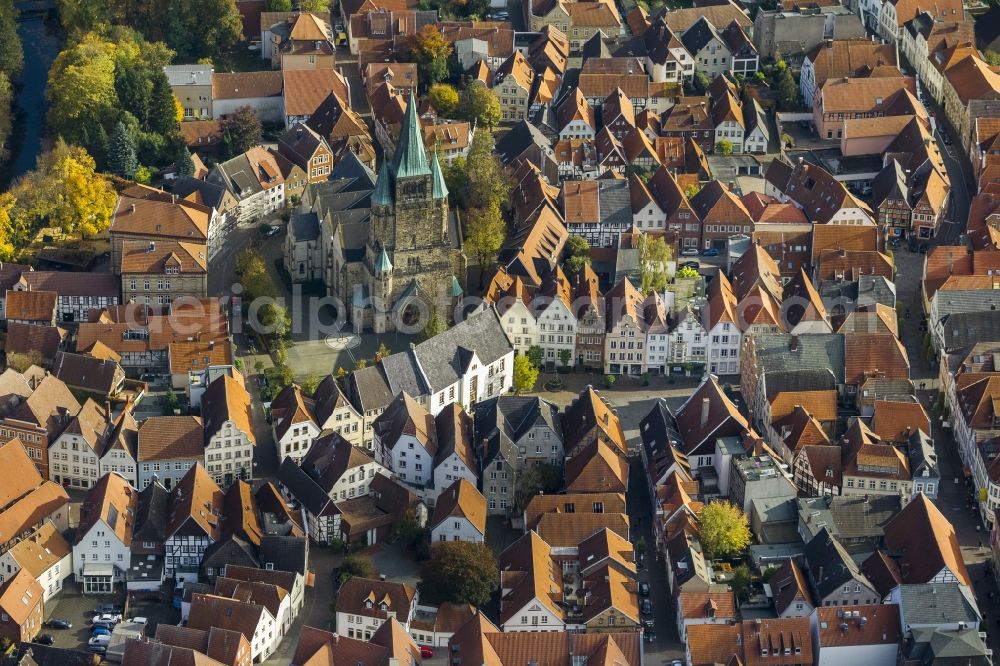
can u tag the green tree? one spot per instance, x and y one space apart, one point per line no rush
654 253
200 28
576 254
133 89
81 16
685 272
565 357
485 234
185 163
361 364
741 582
430 51
162 117
356 565
436 324
525 374
81 91
691 190
278 5
536 479
788 90
534 355
171 403
991 57
241 131
479 104
11 55
701 82
144 175
487 182
258 366
6 114
724 147
461 572
444 99
121 152
317 6
724 530
310 383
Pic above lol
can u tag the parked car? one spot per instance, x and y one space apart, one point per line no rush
711 252
693 265
44 639
648 625
59 624
647 607
946 138
271 230
689 252
108 617
104 625
138 620
644 589
101 631
97 649
99 640
426 652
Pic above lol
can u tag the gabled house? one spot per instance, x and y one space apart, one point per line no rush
293 422
195 509
531 590
405 440
834 577
364 605
459 515
101 551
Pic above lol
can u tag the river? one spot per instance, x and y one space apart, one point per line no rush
40 49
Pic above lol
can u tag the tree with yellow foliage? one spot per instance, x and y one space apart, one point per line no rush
66 190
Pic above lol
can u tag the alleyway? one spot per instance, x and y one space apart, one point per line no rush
953 498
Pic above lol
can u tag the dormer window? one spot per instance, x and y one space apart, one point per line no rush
368 604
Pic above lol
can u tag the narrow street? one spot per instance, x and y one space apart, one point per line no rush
953 496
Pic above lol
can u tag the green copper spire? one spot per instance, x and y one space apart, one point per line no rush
440 189
383 265
410 158
382 196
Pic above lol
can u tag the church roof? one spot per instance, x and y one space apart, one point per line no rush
383 265
440 189
382 196
410 158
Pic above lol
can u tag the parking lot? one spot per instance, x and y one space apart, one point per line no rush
78 609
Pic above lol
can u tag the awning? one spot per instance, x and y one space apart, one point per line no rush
97 570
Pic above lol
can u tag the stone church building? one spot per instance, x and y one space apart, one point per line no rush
389 242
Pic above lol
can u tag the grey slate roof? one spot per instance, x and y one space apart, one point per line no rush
615 202
868 290
890 183
523 136
302 487
795 381
304 226
920 448
848 517
444 358
151 514
285 553
937 603
698 35
370 387
825 555
966 301
404 374
814 352
211 193
937 646
962 329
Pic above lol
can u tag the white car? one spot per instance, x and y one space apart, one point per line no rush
689 252
138 620
110 618
99 640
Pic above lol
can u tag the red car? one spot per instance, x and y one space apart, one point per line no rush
426 652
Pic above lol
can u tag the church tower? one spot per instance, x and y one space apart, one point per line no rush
411 232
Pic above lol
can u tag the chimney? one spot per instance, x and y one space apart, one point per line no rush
795 343
705 404
107 409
